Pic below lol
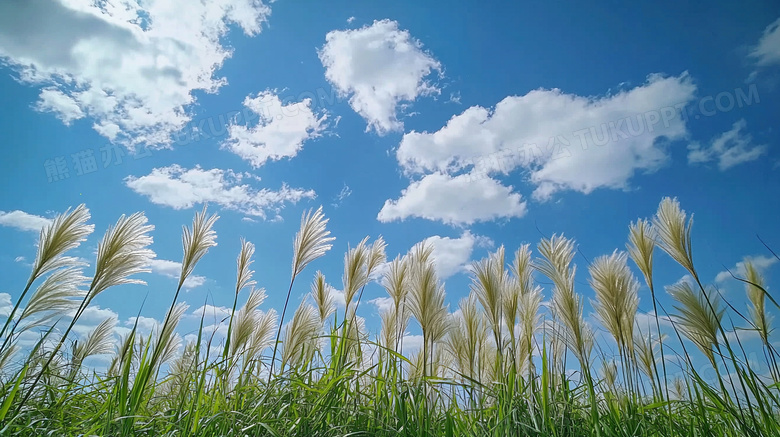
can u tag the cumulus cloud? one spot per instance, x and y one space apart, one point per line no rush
131 67
730 148
172 269
23 221
381 68
280 132
458 200
760 262
181 188
452 255
563 141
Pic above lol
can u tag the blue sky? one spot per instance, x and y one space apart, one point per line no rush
473 126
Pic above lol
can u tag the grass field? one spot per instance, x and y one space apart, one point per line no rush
498 366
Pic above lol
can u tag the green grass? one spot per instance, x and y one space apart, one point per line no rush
472 377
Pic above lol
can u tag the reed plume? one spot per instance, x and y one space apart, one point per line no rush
756 295
311 242
699 317
617 298
322 295
67 231
557 253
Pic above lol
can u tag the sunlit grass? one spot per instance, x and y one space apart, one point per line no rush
504 364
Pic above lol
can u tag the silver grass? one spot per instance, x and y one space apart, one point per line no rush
674 234
58 294
300 336
123 349
530 321
197 241
394 280
168 341
755 293
617 297
311 241
262 335
646 354
6 355
488 283
171 349
609 372
697 320
510 306
426 299
243 264
64 233
355 274
323 297
67 231
566 305
467 334
99 341
641 243
388 331
376 256
246 320
121 253
522 269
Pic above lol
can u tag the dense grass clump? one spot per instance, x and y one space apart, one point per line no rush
500 365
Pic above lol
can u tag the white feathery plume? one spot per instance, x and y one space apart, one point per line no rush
755 292
355 273
121 253
488 283
262 335
197 242
641 243
67 231
376 256
243 264
674 234
246 320
56 295
300 336
617 298
697 320
311 241
323 297
99 341
168 342
557 253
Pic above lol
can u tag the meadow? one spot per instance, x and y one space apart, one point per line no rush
499 364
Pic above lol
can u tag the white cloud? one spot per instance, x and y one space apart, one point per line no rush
65 108
172 269
452 255
5 304
343 194
380 67
23 221
280 133
730 148
760 262
564 141
454 200
181 188
132 67
767 51
383 304
19 259
145 325
211 313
